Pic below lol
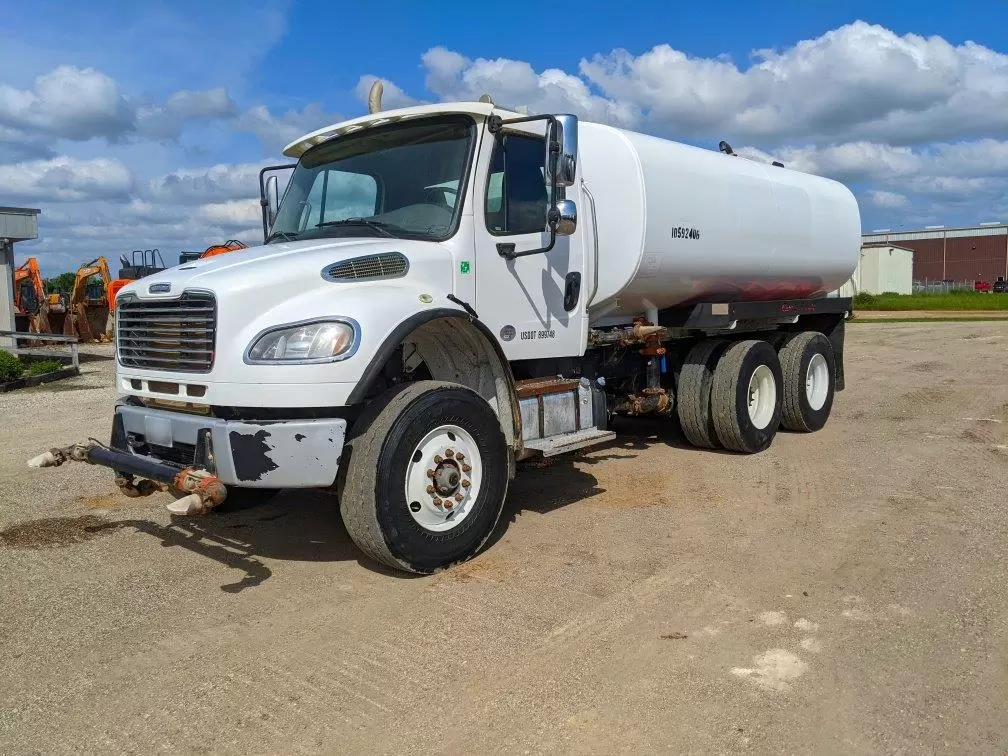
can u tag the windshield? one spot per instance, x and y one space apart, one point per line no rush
401 180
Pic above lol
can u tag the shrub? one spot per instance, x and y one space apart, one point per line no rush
44 366
864 299
10 366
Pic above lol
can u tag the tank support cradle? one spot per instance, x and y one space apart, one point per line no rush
202 488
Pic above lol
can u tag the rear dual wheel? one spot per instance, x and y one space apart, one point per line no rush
736 395
746 396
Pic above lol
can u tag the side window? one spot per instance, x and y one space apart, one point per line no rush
516 197
337 195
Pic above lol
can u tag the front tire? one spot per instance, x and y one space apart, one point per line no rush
746 396
405 500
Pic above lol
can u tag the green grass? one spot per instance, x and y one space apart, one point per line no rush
978 319
958 300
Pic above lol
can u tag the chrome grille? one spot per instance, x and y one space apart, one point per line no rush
177 335
384 265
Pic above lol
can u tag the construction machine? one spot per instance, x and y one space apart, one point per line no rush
87 315
230 245
30 298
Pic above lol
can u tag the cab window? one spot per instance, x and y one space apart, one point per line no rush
516 197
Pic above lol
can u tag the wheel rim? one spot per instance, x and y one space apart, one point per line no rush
443 478
762 396
816 381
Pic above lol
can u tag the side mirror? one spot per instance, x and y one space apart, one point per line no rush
561 166
272 199
563 218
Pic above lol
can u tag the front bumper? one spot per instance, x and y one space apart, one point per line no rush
264 454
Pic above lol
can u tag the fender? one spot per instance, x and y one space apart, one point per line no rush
410 324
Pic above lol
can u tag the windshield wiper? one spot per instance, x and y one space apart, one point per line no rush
285 235
378 226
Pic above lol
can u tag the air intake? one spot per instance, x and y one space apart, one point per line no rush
368 268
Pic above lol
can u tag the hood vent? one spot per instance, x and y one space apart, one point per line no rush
368 267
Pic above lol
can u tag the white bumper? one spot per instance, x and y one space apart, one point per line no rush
250 454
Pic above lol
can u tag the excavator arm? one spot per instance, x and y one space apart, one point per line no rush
30 297
87 313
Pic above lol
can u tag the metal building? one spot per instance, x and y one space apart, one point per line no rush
881 269
952 254
16 224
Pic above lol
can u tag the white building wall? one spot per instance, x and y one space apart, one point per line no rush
880 270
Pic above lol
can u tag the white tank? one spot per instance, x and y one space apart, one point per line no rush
678 224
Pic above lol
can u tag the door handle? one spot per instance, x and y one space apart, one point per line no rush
572 290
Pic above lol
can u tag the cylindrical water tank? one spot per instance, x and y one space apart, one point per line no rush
678 224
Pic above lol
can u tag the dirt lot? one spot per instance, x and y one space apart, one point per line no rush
932 314
842 592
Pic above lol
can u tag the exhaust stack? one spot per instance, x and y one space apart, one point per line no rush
374 96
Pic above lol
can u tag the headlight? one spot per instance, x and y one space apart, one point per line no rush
317 341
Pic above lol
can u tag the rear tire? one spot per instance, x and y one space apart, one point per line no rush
809 371
746 396
693 400
385 501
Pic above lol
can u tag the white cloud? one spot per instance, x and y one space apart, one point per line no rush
882 198
515 83
232 214
197 186
68 102
210 103
81 104
276 132
67 179
859 79
915 125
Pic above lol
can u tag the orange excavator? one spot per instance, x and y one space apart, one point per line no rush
230 245
29 296
87 315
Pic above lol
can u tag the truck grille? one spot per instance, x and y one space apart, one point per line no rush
176 335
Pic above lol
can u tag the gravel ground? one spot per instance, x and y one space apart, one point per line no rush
842 592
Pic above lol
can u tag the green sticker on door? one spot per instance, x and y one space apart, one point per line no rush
464 266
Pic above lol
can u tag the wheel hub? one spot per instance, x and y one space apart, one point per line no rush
442 478
447 477
817 382
762 396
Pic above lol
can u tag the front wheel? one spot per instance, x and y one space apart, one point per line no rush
425 478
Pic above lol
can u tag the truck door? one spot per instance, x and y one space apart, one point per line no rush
535 305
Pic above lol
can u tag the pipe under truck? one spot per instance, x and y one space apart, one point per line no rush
445 291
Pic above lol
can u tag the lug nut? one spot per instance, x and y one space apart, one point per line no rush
438 502
466 484
466 468
430 490
437 459
460 456
449 453
448 504
430 473
458 497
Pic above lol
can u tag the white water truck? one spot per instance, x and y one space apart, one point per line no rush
447 290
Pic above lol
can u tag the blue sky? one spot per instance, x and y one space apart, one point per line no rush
137 125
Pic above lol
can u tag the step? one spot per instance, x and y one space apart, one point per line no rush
566 442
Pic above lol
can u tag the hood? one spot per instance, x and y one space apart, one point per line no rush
277 263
